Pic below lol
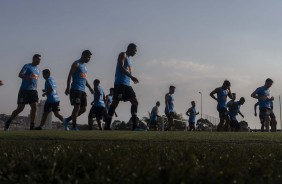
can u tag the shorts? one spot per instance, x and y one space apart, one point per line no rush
97 112
123 93
191 124
264 112
78 98
27 96
223 112
49 107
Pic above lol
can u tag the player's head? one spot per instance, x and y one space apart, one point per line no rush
111 91
242 100
86 56
193 103
46 73
96 82
36 59
268 83
158 103
171 89
233 96
131 49
226 84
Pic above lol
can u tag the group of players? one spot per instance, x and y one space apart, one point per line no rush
103 107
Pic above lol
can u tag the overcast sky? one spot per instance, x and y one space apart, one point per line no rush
194 45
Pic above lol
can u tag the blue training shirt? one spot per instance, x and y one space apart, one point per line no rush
264 97
154 114
234 109
32 72
120 77
170 107
222 98
192 117
52 97
79 77
99 97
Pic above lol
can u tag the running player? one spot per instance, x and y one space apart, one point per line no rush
78 74
169 107
53 101
154 117
192 113
222 93
262 94
28 90
273 121
109 100
98 109
123 90
234 110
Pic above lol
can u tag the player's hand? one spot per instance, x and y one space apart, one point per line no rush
43 90
92 103
67 92
91 90
272 98
255 114
43 94
243 116
135 80
1 83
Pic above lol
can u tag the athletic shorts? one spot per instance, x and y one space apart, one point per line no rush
223 112
27 96
191 124
97 112
49 107
78 98
123 93
264 112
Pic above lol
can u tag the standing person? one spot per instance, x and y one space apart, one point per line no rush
234 110
222 93
1 83
98 108
78 97
192 113
53 101
28 90
154 117
109 100
262 94
273 121
122 89
169 106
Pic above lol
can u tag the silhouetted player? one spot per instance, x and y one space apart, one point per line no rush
234 110
222 93
28 90
109 100
98 109
262 94
53 101
192 113
123 90
154 116
78 74
169 107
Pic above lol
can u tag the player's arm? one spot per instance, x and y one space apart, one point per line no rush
166 100
74 67
121 60
255 108
230 93
22 74
213 93
49 90
255 95
197 113
188 112
241 114
89 87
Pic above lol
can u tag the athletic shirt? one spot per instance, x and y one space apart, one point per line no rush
120 77
170 107
192 117
109 100
52 97
234 109
222 98
264 95
79 77
32 72
154 114
99 97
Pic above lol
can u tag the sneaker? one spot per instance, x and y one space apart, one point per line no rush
66 124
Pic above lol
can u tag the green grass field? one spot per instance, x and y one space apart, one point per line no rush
140 157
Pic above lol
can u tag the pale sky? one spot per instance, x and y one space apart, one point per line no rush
194 45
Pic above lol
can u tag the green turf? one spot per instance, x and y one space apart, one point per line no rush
140 157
